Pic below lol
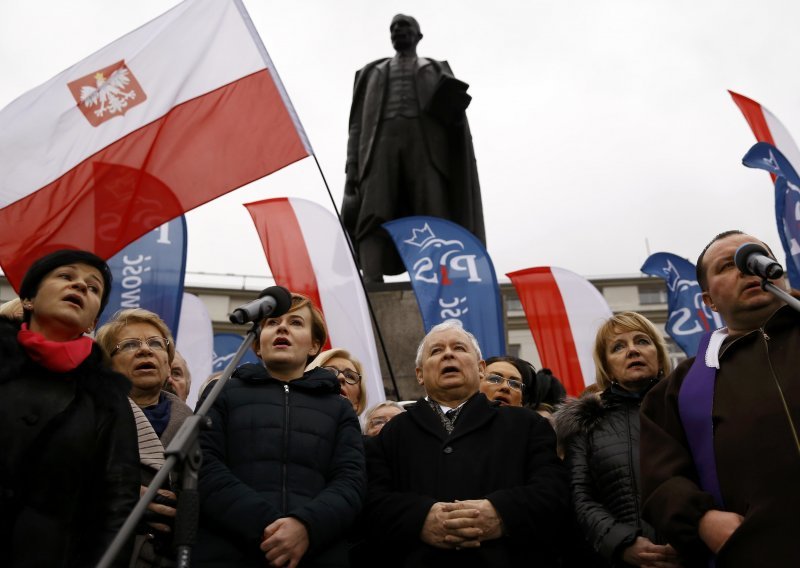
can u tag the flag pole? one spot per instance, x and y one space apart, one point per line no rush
360 279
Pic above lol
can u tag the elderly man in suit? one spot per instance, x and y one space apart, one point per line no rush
409 150
457 478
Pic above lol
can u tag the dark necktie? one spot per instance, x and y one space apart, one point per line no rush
452 414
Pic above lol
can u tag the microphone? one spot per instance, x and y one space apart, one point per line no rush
754 259
273 301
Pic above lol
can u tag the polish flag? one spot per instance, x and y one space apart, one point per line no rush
564 311
172 115
767 128
308 254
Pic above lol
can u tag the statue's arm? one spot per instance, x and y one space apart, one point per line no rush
351 199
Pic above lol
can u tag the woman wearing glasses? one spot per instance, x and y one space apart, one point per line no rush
68 462
140 347
283 474
349 373
507 380
601 434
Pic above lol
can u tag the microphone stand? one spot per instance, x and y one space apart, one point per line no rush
184 456
780 293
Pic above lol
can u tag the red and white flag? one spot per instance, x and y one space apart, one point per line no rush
767 128
563 311
168 117
307 253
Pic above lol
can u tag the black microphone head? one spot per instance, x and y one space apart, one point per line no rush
744 252
283 299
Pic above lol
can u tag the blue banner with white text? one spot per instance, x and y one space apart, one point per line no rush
225 347
149 272
688 318
452 276
787 201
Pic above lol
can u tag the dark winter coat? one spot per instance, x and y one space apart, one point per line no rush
69 462
600 434
504 454
279 449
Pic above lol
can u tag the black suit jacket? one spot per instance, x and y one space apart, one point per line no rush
503 454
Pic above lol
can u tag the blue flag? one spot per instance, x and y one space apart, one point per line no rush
688 317
452 276
148 273
225 346
787 202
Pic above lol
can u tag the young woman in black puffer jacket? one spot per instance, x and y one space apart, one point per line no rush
600 434
283 474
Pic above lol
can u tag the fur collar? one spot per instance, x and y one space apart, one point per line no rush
579 415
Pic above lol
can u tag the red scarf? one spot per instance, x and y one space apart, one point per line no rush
58 356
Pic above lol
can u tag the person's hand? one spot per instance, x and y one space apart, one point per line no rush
285 542
487 520
648 555
716 527
462 532
351 181
164 508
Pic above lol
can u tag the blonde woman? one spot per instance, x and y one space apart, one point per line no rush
349 373
600 433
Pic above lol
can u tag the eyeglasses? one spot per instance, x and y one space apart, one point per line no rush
379 421
350 376
512 383
154 343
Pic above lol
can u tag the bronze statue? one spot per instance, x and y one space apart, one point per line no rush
409 150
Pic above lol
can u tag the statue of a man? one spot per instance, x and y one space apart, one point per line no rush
409 151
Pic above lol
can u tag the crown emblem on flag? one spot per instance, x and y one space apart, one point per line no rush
107 92
420 237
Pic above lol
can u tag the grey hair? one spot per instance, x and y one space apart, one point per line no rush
444 326
384 404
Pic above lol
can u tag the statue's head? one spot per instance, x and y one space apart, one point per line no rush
405 32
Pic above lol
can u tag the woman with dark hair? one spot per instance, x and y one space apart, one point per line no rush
600 432
283 474
68 457
508 380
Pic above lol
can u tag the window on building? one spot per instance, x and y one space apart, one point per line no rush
649 295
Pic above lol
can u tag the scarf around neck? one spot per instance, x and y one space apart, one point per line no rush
57 356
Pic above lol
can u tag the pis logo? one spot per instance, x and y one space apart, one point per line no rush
452 262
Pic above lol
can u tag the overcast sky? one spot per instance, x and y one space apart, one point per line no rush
599 126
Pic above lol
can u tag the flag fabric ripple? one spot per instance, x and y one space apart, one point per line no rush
170 116
782 165
767 128
688 318
308 254
563 311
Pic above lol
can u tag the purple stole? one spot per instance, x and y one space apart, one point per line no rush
695 404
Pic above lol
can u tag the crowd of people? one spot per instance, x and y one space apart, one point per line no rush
494 466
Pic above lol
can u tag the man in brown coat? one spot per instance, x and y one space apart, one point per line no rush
719 444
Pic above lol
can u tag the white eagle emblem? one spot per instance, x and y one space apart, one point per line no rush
109 93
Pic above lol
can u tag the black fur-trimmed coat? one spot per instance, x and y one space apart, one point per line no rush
69 461
600 435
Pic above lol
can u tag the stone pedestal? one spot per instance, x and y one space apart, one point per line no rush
398 316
